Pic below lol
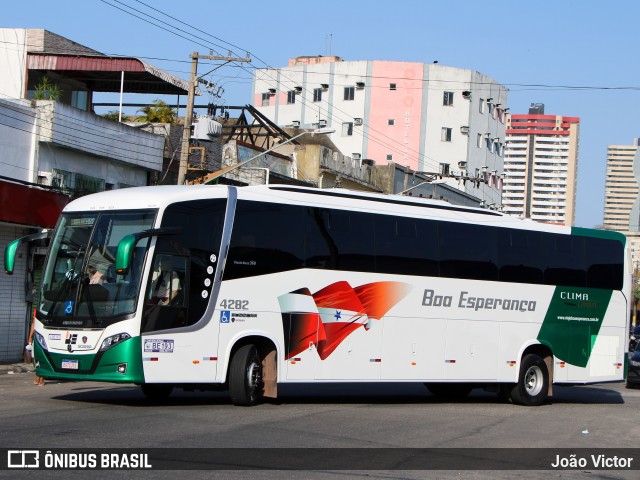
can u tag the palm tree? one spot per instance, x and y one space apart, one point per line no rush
159 112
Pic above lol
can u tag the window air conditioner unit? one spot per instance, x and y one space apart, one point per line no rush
295 123
359 85
322 123
462 165
466 94
298 89
464 130
272 91
357 121
325 86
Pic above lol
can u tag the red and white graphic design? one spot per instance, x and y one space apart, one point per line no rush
330 315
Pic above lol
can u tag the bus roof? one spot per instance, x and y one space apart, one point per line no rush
161 196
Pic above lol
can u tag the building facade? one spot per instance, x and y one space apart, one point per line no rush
541 166
621 196
55 148
427 117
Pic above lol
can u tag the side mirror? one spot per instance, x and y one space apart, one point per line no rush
12 248
126 246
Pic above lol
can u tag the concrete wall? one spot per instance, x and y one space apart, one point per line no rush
18 140
13 61
79 130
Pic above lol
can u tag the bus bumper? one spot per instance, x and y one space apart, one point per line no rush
122 363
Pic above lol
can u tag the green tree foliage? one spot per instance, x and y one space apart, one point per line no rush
46 90
159 112
115 116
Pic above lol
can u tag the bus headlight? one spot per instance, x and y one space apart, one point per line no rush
40 340
114 340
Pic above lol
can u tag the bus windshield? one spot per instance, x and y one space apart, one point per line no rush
79 286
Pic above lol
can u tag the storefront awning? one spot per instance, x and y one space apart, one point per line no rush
30 205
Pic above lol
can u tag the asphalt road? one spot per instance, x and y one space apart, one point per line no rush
95 415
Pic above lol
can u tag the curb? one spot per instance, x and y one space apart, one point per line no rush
16 368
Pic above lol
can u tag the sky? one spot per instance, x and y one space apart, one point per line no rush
578 57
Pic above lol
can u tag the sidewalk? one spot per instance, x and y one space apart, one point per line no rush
10 368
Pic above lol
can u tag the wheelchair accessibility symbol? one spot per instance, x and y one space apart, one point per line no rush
225 316
68 307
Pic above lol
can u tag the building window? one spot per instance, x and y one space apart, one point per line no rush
389 157
291 96
481 107
392 86
391 121
317 94
447 99
479 141
265 99
446 134
349 93
347 129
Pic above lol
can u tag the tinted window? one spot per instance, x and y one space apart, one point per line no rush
519 256
604 263
266 238
189 253
340 239
270 238
406 246
467 251
565 261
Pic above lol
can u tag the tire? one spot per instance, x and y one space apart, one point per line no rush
449 391
156 391
245 377
533 382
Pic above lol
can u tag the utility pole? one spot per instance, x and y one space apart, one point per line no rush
193 81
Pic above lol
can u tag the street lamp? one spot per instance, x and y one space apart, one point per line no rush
212 176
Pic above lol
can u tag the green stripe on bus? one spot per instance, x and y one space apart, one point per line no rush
572 323
606 234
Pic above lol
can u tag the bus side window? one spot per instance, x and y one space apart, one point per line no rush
605 263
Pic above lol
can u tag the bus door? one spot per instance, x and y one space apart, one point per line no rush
179 336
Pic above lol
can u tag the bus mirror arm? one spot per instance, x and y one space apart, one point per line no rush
12 248
124 253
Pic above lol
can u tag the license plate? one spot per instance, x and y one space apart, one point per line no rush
155 346
70 364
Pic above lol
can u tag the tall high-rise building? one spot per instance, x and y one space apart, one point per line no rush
541 166
426 117
621 200
621 187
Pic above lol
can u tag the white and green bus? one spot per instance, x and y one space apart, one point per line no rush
205 287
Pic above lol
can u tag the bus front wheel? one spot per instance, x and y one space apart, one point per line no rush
533 383
245 376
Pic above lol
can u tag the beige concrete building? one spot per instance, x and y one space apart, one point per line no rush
621 200
541 166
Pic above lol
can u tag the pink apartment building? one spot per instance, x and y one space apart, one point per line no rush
427 117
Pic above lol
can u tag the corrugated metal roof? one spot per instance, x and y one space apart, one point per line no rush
102 73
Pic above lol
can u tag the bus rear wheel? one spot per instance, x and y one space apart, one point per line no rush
533 383
156 391
245 376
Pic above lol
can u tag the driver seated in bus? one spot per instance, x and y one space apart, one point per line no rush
165 282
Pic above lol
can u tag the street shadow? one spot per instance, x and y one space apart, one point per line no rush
330 393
